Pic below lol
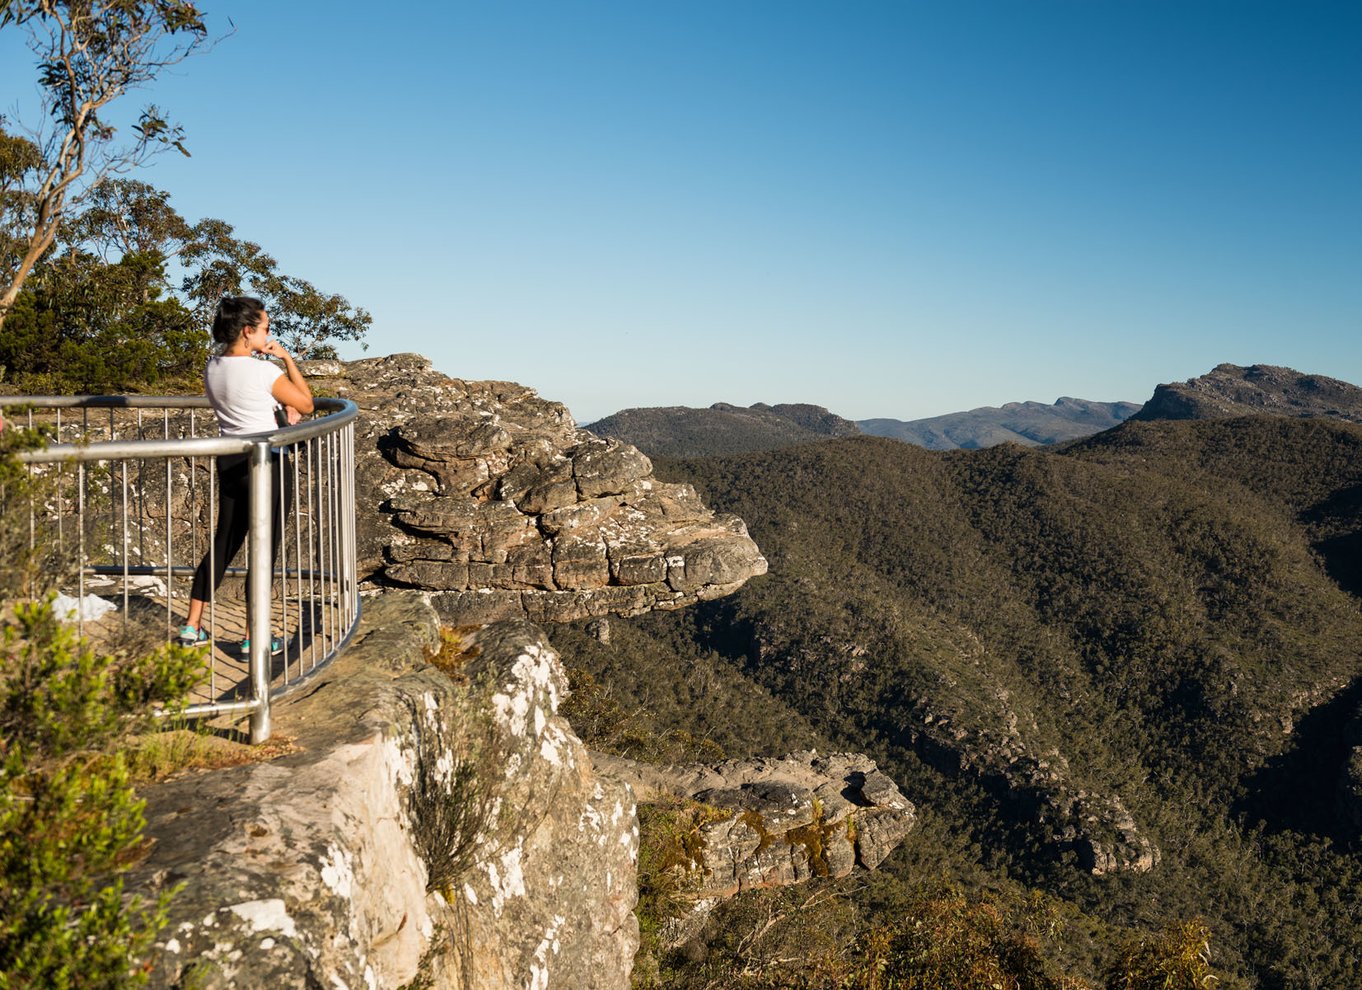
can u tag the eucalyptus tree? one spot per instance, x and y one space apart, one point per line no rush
89 54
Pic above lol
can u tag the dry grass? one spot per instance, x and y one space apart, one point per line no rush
454 652
160 756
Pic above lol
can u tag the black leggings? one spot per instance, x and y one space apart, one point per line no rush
234 518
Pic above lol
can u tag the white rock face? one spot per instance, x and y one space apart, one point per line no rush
308 870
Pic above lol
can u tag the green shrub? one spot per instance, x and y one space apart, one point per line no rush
70 821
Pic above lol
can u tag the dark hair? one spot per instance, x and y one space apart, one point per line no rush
235 313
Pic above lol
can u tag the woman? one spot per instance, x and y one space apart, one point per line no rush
245 393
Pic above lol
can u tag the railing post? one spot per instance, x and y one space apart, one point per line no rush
258 588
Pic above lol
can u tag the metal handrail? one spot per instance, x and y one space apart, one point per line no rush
314 459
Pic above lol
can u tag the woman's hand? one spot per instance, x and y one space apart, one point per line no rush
272 348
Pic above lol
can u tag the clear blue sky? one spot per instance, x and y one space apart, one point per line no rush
891 209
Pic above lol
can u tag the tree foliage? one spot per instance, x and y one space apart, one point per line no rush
306 320
70 822
89 54
122 300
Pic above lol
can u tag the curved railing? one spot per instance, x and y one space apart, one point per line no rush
125 508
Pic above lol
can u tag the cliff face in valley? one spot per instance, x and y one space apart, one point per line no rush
490 497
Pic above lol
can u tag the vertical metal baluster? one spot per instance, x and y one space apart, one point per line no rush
170 539
328 522
127 538
32 523
332 562
211 550
321 544
60 496
193 497
343 488
298 559
80 547
258 589
314 633
283 556
352 524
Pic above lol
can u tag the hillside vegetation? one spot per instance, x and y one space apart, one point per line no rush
1112 675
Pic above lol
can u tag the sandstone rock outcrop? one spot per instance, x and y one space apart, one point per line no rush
314 869
773 822
492 498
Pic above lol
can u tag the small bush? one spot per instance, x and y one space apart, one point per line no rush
70 821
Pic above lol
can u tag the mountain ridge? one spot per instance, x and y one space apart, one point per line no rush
722 428
1253 390
1028 423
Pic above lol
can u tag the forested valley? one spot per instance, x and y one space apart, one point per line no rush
1118 678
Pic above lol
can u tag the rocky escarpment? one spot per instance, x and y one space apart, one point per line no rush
768 822
492 497
434 822
1260 389
424 830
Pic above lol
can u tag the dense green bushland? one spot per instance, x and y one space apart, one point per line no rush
1162 615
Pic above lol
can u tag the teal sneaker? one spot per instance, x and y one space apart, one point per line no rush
276 646
189 636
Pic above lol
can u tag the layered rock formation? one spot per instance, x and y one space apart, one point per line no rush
773 822
1260 389
446 832
491 497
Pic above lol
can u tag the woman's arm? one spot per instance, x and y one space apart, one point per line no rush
291 387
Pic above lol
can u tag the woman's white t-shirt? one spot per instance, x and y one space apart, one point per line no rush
239 389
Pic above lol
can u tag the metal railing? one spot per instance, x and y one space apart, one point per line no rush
127 508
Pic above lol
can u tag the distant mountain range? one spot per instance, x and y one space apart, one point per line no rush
682 431
1226 391
1031 424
